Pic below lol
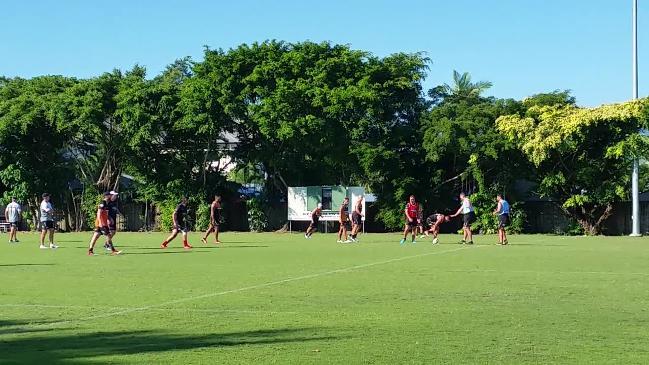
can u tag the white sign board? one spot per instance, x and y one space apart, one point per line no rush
298 200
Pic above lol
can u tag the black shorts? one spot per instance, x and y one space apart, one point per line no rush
412 224
181 228
13 224
314 222
468 219
357 219
112 227
503 220
102 230
47 225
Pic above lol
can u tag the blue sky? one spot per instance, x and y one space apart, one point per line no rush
523 46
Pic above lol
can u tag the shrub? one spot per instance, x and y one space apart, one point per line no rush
257 220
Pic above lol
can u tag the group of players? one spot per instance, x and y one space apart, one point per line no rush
107 212
415 220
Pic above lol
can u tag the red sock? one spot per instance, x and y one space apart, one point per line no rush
185 242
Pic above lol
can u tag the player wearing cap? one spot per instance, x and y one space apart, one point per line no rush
315 218
13 214
179 217
102 226
215 220
411 212
47 221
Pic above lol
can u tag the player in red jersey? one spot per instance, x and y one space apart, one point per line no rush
411 212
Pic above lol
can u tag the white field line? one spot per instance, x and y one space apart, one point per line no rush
246 288
614 273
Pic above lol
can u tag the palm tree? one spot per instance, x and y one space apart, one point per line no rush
463 87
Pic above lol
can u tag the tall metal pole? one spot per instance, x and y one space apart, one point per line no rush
635 195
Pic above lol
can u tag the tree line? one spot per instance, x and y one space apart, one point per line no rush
309 114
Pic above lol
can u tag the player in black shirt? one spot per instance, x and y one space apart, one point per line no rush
215 220
180 224
113 211
315 218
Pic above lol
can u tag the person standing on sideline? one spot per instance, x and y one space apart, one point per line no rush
468 215
343 219
502 211
357 218
13 215
113 211
411 212
215 220
47 221
179 217
315 218
102 225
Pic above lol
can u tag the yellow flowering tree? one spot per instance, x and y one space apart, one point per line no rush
582 156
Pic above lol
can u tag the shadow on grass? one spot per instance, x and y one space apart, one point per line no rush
80 348
7 265
14 327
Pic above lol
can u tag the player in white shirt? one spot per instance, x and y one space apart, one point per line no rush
13 214
47 221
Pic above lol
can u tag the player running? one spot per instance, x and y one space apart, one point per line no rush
357 218
102 226
13 215
502 211
343 219
47 221
468 215
179 217
411 212
215 220
435 221
315 218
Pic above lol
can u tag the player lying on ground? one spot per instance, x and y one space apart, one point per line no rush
215 220
435 221
411 212
315 218
102 226
179 217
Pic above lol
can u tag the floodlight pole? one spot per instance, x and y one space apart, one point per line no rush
635 195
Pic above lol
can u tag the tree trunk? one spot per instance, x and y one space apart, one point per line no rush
592 218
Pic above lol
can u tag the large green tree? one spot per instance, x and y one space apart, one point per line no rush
33 154
581 155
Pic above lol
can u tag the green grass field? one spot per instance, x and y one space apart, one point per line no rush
278 298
